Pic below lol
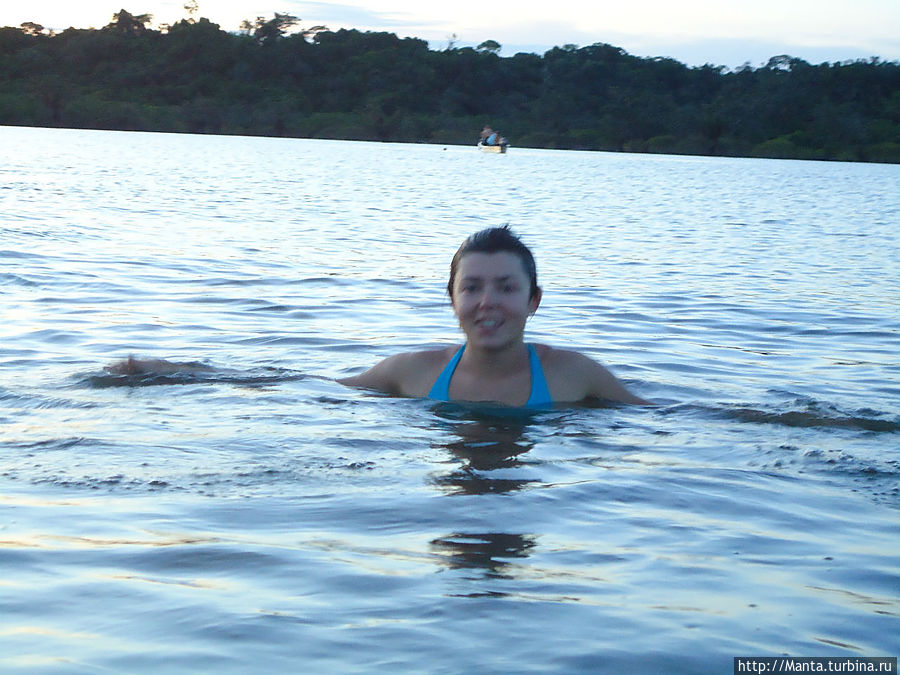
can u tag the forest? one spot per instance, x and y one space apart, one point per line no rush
274 79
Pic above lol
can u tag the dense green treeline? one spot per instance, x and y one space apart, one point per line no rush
195 77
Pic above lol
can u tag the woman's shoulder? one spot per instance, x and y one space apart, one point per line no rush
573 376
424 357
406 373
567 371
561 358
415 372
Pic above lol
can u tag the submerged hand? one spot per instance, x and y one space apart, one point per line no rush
133 366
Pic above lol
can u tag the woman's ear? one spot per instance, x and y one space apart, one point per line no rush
535 300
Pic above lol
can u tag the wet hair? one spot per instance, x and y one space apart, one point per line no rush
495 240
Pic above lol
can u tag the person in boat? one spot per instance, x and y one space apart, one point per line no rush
491 137
495 139
493 291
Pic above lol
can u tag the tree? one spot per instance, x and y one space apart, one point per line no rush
370 85
191 7
267 31
129 24
489 47
32 28
785 62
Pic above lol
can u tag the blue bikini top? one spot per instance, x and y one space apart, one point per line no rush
540 394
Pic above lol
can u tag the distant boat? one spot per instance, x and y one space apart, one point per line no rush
492 148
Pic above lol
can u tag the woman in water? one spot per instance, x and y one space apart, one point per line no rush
493 291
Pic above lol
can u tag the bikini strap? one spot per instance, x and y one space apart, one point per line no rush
540 392
440 391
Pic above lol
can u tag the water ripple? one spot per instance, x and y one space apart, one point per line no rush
751 510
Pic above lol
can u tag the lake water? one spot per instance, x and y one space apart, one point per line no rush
262 518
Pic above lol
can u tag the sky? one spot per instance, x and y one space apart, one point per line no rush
695 32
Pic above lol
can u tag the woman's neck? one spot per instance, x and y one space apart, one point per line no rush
502 361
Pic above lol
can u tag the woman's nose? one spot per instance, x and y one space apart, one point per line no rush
488 297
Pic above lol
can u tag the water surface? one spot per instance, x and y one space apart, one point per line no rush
260 517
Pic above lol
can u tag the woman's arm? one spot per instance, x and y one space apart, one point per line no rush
574 377
383 376
605 385
133 366
406 374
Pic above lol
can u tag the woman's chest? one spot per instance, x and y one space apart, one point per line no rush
513 389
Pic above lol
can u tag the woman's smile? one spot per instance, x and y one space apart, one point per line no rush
488 326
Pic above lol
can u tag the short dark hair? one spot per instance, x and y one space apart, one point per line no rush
494 240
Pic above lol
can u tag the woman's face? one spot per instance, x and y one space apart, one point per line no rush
491 299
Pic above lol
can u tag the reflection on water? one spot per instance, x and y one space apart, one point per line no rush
486 441
487 551
485 446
